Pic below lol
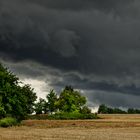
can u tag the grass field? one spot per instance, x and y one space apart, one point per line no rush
110 127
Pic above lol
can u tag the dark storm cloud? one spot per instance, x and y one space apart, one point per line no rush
114 99
94 44
83 4
87 84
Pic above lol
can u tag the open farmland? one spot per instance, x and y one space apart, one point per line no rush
110 127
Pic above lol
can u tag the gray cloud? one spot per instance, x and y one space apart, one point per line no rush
113 99
82 4
65 43
92 45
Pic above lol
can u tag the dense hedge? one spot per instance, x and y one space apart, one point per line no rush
72 116
64 116
7 122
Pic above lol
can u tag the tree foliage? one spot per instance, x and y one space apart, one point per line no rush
40 106
70 100
85 110
103 109
15 100
133 111
52 100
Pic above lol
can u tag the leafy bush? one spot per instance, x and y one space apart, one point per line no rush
2 112
72 116
85 110
7 122
63 116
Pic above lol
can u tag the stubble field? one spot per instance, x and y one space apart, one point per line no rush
110 127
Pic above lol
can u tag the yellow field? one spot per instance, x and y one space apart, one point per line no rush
110 127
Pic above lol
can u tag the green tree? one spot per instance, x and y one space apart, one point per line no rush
52 100
15 100
118 111
110 110
131 111
2 112
40 106
85 110
137 111
70 100
103 109
27 91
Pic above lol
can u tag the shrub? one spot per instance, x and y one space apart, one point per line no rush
72 116
2 112
85 110
7 122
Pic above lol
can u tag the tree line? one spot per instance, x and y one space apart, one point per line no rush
19 100
69 100
103 109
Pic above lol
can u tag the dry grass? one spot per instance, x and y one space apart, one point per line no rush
111 127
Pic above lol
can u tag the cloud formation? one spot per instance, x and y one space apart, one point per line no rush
92 45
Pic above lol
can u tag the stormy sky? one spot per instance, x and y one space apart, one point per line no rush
93 45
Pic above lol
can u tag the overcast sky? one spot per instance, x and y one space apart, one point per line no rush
93 45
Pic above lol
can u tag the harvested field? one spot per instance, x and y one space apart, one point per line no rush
110 127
